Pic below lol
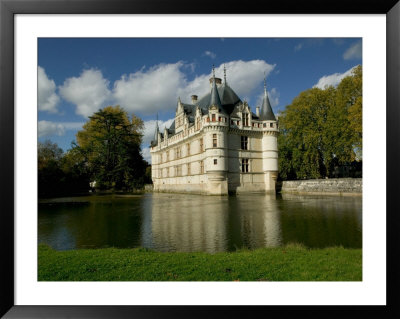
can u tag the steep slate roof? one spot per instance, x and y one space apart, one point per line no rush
155 137
214 95
227 101
266 113
227 97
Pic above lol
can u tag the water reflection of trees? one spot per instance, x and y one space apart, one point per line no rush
321 221
105 222
172 222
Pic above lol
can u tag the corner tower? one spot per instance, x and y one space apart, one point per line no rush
216 143
269 143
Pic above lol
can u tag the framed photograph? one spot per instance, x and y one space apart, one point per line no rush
37 37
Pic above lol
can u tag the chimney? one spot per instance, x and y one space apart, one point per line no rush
258 111
218 81
194 99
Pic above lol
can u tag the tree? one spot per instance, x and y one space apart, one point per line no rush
110 142
321 129
76 177
49 171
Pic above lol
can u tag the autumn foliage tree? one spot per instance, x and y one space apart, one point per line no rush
322 129
110 142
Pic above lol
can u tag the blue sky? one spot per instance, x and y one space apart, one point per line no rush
77 76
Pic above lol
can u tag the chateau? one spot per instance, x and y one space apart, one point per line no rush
217 145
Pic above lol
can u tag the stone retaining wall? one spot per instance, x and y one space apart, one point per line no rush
338 186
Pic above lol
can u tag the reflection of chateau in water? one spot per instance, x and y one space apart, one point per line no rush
183 222
189 223
257 219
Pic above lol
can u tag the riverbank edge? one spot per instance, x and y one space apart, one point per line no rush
330 186
292 262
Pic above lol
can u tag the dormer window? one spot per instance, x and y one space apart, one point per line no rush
245 119
213 117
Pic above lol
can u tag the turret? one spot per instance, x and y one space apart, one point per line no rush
214 98
269 143
266 110
155 140
216 148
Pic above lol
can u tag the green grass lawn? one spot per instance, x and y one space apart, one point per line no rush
289 263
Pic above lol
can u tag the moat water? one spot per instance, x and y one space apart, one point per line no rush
175 222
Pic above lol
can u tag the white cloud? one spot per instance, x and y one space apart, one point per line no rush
158 88
354 52
333 79
88 92
48 128
47 96
150 91
210 54
244 76
298 47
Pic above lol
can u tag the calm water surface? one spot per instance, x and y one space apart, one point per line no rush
171 222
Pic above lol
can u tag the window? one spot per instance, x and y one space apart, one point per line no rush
215 161
238 122
179 170
201 167
201 145
167 156
245 119
177 152
245 165
271 124
265 125
219 118
213 117
188 149
188 169
244 142
232 122
214 140
198 121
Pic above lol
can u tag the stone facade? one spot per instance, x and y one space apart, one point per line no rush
216 146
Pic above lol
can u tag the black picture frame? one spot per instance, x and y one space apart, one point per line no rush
8 9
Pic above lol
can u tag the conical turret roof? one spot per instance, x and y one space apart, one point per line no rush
215 99
156 131
266 113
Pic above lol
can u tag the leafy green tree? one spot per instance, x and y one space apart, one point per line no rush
321 129
110 142
76 177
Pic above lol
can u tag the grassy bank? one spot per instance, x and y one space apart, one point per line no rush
289 263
